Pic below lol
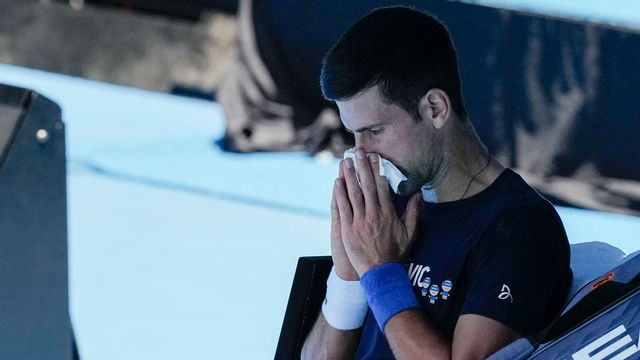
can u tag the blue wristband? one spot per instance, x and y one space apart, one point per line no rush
388 291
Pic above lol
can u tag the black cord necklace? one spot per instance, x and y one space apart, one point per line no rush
475 176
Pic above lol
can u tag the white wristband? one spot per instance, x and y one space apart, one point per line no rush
345 305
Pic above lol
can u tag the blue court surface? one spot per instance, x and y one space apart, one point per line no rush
178 250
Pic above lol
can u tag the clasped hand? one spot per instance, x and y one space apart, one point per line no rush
365 229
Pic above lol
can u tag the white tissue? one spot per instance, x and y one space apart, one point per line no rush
387 169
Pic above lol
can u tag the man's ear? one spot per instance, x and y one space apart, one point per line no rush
435 107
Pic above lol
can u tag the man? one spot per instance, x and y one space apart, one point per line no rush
466 257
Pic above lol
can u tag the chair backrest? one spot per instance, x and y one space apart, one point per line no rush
305 300
597 295
590 260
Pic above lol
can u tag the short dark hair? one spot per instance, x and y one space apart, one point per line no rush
405 51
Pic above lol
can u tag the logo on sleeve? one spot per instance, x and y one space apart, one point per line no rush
505 293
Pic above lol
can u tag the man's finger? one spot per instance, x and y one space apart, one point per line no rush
335 216
382 185
367 183
352 188
344 206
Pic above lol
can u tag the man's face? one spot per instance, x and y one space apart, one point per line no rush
390 131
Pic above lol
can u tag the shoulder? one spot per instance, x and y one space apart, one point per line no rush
527 232
529 226
530 216
519 205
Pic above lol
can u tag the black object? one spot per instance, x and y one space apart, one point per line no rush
184 9
192 92
34 305
305 300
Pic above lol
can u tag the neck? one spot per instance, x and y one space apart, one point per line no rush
466 167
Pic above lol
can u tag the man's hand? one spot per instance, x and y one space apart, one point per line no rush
371 231
341 261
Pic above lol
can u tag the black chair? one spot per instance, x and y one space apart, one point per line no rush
305 300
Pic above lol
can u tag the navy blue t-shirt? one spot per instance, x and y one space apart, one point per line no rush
502 253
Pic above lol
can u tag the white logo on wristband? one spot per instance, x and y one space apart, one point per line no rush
345 305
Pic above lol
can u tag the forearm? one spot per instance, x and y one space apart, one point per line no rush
399 315
326 342
411 336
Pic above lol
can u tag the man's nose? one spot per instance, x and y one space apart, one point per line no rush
361 142
364 143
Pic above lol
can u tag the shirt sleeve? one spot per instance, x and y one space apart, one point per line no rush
519 271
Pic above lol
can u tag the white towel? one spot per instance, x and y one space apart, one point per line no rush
387 169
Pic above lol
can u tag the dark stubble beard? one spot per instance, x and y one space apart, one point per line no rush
415 180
